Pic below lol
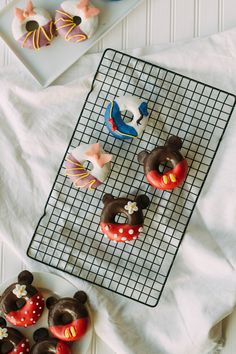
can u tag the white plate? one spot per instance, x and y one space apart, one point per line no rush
51 284
47 64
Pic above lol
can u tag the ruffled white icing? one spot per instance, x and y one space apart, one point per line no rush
87 25
131 104
42 17
98 172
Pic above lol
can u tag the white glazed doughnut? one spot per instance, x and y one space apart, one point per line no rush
76 21
115 123
36 38
76 171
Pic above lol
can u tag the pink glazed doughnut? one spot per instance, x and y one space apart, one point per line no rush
33 27
76 21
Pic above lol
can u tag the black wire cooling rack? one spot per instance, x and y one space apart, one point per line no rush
67 236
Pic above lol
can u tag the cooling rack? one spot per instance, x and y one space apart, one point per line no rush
67 236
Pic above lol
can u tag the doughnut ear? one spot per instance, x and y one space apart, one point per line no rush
174 143
3 322
50 302
81 296
107 198
142 156
40 334
25 278
142 201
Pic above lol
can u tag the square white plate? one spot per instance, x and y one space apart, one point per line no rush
47 64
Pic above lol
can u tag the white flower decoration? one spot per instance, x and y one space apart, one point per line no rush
3 333
20 291
131 207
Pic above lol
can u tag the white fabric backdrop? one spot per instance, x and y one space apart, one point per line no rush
36 125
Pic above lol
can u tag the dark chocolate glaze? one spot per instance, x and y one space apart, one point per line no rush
112 207
65 311
9 302
46 346
161 154
8 344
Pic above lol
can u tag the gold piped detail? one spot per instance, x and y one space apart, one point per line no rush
165 179
26 38
73 331
65 14
172 177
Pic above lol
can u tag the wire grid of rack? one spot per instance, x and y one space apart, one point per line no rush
68 237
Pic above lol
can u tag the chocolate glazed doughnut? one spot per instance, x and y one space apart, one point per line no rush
161 154
21 303
12 340
68 318
129 231
46 345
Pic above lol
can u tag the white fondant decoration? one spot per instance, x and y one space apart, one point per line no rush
42 17
87 25
131 207
20 291
98 172
132 103
3 333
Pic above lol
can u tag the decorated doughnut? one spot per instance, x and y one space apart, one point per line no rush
175 176
123 232
21 303
116 124
33 27
68 318
82 177
12 341
46 345
76 20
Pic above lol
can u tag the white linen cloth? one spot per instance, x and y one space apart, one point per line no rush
36 125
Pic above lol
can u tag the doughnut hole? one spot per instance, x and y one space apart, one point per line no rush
77 20
6 347
165 166
127 116
121 218
88 166
66 318
31 26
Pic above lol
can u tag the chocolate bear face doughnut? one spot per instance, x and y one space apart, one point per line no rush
46 345
11 340
21 303
68 318
120 232
161 154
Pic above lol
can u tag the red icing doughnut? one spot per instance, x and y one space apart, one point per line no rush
68 318
162 154
29 314
21 303
125 232
12 340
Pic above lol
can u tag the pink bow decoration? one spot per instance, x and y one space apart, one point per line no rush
100 158
88 11
22 14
